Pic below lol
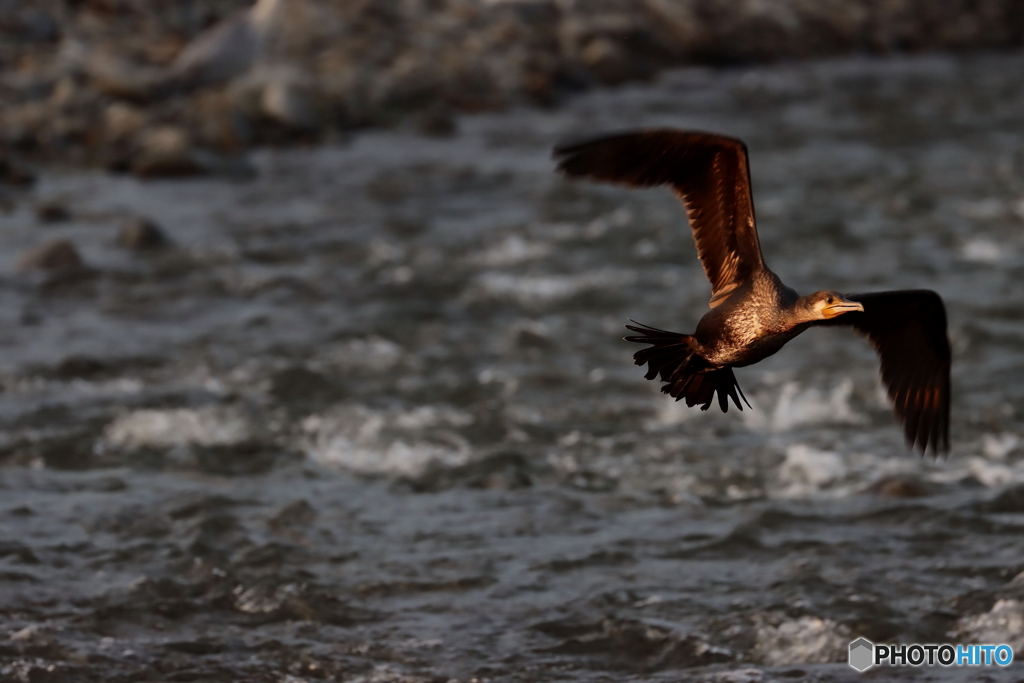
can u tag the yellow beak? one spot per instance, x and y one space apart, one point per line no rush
841 306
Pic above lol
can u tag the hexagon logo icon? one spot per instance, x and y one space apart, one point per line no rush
862 654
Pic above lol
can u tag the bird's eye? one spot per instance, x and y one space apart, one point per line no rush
830 300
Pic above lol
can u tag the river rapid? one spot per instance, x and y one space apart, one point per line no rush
370 417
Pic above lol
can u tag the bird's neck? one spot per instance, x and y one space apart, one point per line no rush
798 311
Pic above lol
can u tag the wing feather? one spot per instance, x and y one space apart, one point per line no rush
710 175
908 330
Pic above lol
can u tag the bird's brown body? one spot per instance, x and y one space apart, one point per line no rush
753 323
753 314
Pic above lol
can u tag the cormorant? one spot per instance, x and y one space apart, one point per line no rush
753 314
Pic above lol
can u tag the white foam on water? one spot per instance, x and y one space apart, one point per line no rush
424 417
807 640
367 441
530 288
545 289
399 457
511 251
1003 624
671 413
382 252
808 470
982 250
998 446
797 406
123 385
645 248
370 353
993 474
207 426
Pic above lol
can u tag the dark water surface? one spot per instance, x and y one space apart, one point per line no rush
370 418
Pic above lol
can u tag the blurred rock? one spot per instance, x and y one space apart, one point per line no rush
678 20
52 255
289 103
141 234
1010 500
52 211
227 49
121 121
283 70
166 166
38 26
901 486
1004 623
116 76
78 367
302 389
13 173
608 60
296 515
233 167
166 152
437 122
220 121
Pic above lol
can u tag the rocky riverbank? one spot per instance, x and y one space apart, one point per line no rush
173 88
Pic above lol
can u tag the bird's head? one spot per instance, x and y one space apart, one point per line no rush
828 304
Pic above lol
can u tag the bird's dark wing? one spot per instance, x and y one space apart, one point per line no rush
708 172
908 329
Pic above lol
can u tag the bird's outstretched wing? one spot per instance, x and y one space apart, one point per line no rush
708 172
908 329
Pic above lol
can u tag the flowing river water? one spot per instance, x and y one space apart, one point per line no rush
370 417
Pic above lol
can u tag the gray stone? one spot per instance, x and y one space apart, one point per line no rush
141 234
52 211
52 255
13 173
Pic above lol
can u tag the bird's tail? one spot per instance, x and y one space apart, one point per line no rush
701 388
685 373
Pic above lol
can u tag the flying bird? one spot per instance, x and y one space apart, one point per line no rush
753 314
